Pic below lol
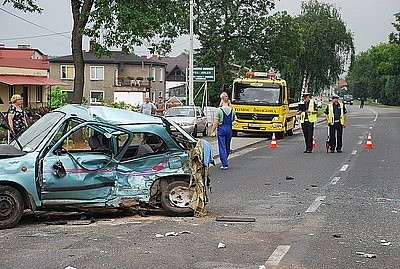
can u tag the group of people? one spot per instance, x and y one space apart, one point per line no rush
149 108
335 114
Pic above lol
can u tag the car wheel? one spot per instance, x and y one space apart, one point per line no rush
205 130
280 135
11 207
194 133
175 199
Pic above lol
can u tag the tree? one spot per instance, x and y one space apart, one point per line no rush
125 23
394 37
57 98
328 46
224 28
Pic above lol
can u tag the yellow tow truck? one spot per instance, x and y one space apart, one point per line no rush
261 103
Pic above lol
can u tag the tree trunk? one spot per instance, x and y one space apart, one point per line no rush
80 13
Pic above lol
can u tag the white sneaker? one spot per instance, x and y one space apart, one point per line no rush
224 168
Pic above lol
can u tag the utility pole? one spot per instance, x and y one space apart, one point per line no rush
191 88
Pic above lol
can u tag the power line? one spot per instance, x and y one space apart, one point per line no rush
30 37
37 25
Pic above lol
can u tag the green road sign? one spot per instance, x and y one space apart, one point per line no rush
202 74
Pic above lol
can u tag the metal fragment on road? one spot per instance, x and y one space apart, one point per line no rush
221 245
235 219
385 243
171 234
289 178
185 232
159 235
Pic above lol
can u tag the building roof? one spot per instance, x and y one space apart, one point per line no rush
23 58
181 61
25 63
115 57
28 80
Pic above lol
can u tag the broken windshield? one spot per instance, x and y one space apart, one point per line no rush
258 93
32 137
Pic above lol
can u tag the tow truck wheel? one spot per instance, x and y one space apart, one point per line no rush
11 207
175 199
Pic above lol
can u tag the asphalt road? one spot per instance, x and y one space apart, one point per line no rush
335 206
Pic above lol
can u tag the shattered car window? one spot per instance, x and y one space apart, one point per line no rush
144 144
181 137
32 137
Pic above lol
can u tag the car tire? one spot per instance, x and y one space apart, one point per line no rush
205 131
175 199
11 207
194 133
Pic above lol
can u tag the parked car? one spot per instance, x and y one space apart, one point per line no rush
191 118
86 158
348 99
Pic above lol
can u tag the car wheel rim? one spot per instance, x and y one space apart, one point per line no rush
6 207
179 196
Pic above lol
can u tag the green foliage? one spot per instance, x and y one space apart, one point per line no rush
57 98
394 37
375 74
328 46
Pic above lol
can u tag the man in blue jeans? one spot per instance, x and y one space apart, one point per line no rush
224 117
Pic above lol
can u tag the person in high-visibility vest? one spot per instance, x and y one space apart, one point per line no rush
335 114
308 116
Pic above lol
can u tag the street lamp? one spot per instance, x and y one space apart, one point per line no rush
191 102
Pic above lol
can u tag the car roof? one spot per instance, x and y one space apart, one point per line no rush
108 115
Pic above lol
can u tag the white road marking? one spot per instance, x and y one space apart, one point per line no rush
314 206
344 168
335 180
354 152
359 142
277 255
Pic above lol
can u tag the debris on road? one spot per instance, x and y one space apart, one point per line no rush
171 234
70 267
385 243
337 235
314 186
236 219
221 245
366 255
185 232
56 222
289 178
159 235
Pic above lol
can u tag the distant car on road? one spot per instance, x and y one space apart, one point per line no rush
348 99
191 118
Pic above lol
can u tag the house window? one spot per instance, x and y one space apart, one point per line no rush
11 91
97 72
39 93
161 75
154 74
96 97
67 72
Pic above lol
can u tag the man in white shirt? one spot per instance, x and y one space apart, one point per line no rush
147 107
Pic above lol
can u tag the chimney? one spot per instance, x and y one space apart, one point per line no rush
24 46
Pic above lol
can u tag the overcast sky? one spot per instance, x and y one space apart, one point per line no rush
369 20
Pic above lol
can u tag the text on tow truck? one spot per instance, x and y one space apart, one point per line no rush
261 102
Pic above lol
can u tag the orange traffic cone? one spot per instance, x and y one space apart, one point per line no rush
314 143
369 144
273 144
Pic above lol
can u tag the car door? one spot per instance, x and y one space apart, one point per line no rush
81 165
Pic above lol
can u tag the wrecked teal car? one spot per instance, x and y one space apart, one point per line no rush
91 157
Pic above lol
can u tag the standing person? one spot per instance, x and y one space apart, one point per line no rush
16 116
147 107
223 119
308 116
160 107
336 117
362 102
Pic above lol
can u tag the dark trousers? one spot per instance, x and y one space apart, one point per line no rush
335 136
308 131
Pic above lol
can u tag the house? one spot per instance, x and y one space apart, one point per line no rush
176 75
24 71
118 76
